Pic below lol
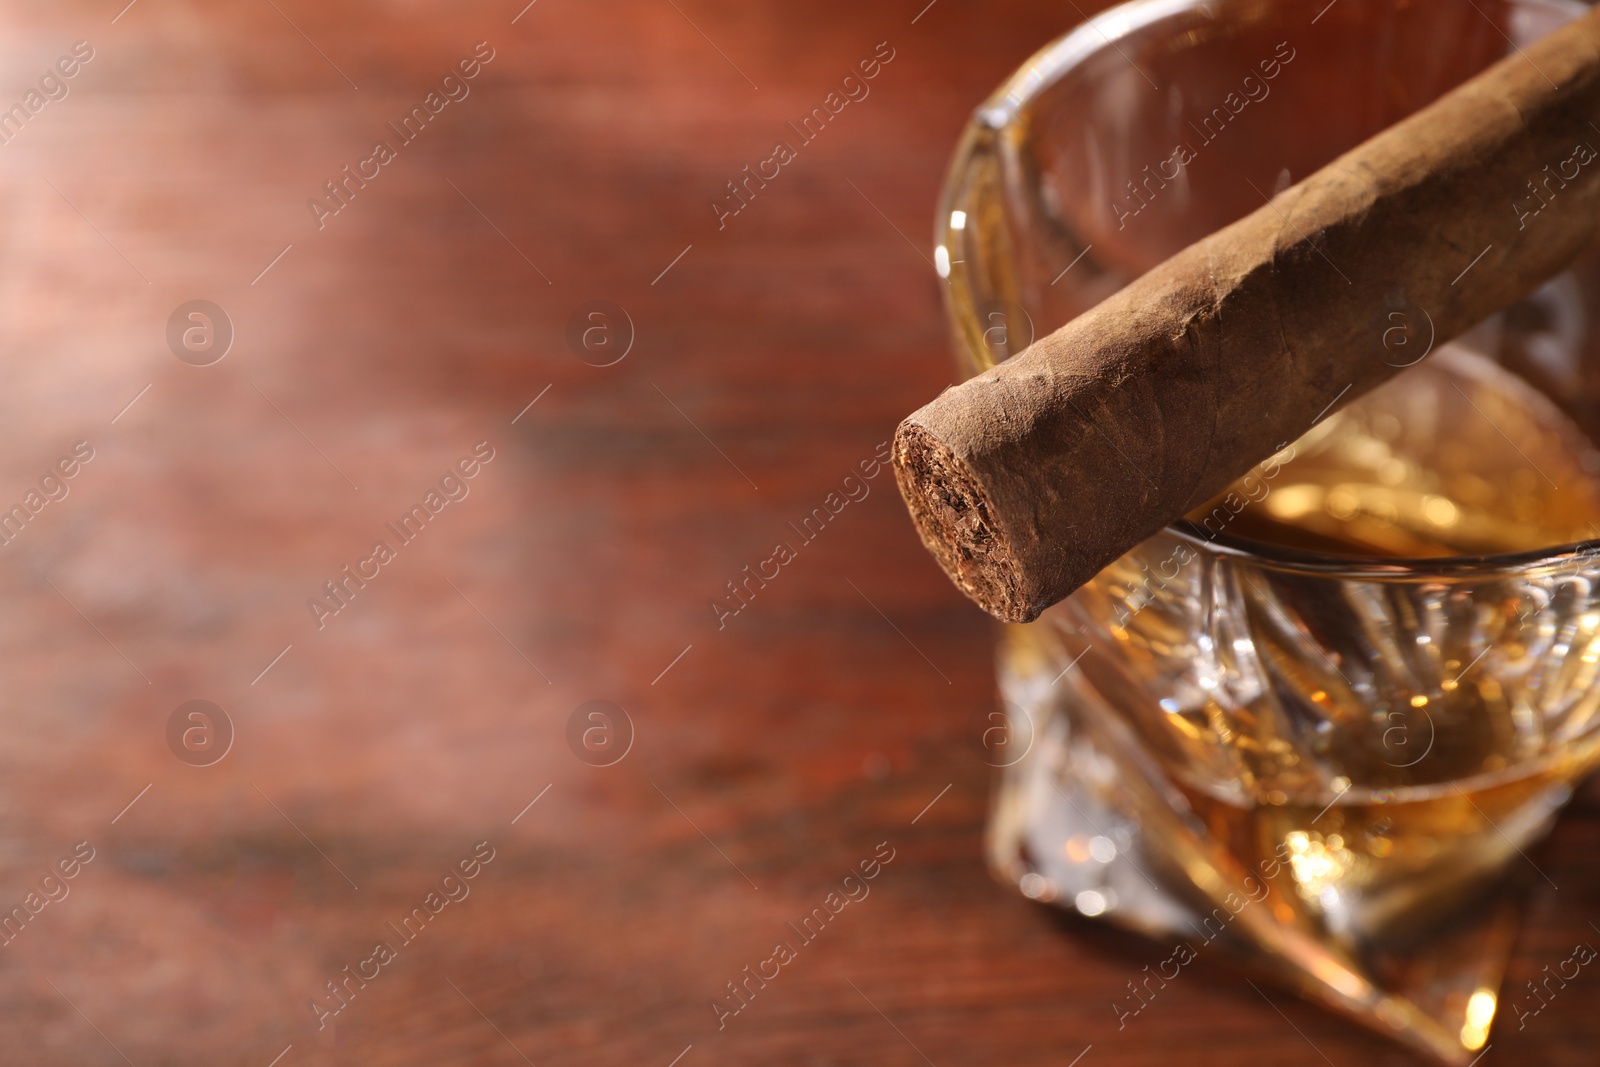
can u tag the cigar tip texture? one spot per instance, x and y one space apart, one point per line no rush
955 519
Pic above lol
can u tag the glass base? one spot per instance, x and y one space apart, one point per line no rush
1085 819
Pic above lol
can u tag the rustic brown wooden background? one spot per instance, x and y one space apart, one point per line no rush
770 758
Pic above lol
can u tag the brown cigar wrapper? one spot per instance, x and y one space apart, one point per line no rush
1029 478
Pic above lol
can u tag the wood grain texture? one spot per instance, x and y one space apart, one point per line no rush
773 757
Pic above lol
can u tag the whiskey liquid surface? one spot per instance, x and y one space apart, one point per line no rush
1455 457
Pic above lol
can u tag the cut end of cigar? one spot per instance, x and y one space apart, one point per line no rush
954 518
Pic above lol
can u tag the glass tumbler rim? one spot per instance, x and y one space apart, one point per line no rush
1001 109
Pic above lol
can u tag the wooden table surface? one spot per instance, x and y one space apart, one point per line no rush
770 752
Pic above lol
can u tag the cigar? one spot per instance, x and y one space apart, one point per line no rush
1027 479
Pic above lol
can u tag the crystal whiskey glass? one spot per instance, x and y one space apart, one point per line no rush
1323 721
